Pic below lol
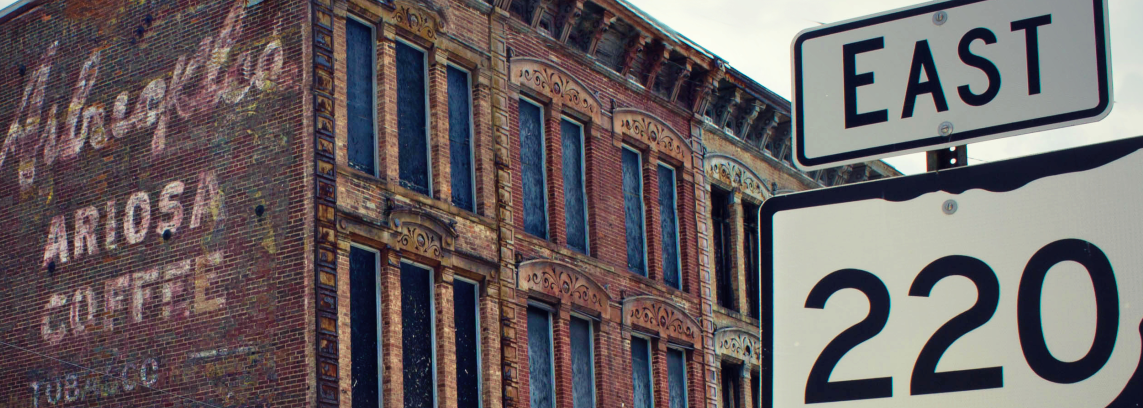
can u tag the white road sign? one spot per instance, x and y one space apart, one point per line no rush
947 73
1009 284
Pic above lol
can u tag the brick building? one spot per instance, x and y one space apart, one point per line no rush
417 203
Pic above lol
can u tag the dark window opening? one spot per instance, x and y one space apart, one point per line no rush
364 327
731 378
633 210
752 252
583 364
541 380
575 196
417 341
532 169
460 139
360 107
756 389
723 270
669 226
412 119
677 377
641 372
466 317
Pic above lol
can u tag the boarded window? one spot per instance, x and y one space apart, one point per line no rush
730 374
677 377
633 210
720 223
412 119
641 372
669 225
575 197
363 306
540 375
417 341
532 169
751 252
466 318
583 364
359 76
460 139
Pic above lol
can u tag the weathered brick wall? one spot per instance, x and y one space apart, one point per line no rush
152 202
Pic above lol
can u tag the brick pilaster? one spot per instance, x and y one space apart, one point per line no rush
659 375
553 157
561 343
737 260
388 168
439 157
445 339
652 217
392 382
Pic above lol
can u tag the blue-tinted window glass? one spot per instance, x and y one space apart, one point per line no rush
460 138
541 384
359 93
532 169
412 131
669 225
752 253
417 340
466 320
641 372
363 327
583 373
677 377
575 202
633 208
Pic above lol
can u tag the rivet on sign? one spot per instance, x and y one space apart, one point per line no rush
940 17
949 207
945 128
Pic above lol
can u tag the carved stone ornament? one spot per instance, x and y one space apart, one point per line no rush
564 282
556 84
422 22
738 343
733 172
652 131
657 314
421 232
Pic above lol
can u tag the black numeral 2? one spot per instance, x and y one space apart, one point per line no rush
818 387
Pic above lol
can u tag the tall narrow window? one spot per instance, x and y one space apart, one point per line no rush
731 377
633 210
532 169
669 225
360 108
720 223
466 317
575 196
641 372
677 377
364 310
752 254
583 364
541 372
460 139
413 119
418 338
756 389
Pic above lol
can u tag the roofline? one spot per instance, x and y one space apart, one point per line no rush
10 12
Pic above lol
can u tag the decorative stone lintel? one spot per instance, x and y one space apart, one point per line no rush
737 175
564 282
662 317
556 84
653 131
740 344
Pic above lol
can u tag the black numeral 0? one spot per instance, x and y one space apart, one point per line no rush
1106 306
818 387
925 378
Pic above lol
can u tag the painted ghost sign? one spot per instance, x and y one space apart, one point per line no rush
151 197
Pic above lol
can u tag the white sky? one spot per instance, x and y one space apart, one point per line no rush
754 37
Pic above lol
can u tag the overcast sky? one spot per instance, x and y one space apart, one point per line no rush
754 36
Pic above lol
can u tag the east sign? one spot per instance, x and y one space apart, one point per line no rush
947 73
1008 284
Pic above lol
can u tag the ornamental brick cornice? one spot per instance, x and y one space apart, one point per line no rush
555 83
655 132
736 174
738 343
566 283
662 317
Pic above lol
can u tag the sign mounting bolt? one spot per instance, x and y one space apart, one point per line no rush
940 17
949 207
945 128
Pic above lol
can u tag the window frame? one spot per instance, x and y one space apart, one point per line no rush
591 347
678 233
380 321
551 345
471 132
376 134
686 375
428 119
479 346
432 319
650 367
643 206
583 178
543 167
